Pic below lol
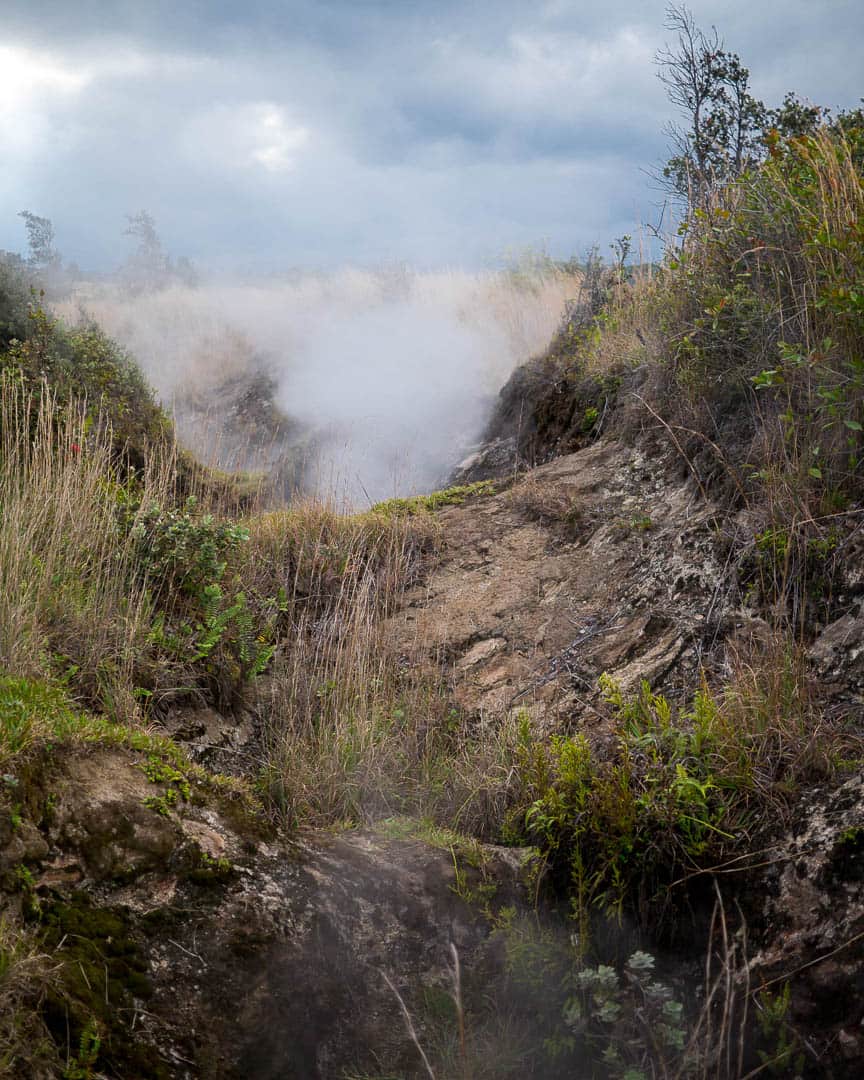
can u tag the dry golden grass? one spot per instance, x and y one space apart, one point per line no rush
65 582
352 731
330 700
26 977
72 602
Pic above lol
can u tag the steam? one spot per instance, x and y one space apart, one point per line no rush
389 375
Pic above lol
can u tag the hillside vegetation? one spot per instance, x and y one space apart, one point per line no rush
137 587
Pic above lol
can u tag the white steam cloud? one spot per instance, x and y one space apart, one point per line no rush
395 372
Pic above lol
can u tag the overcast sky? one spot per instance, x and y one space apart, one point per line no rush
265 135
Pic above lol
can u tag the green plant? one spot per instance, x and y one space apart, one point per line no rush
589 418
26 884
784 1055
682 788
180 549
764 291
211 870
182 558
642 523
83 1064
177 787
632 1022
81 365
452 496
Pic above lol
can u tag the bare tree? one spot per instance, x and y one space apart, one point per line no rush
710 87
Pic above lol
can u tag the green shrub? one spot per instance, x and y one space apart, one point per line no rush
180 549
14 297
190 565
82 365
678 792
633 1024
766 297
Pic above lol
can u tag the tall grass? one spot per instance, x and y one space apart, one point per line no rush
112 584
65 599
748 348
354 727
77 602
330 709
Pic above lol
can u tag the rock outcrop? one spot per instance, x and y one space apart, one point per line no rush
209 946
606 560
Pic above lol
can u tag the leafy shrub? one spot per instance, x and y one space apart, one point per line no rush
632 1022
679 791
766 296
83 365
181 557
180 549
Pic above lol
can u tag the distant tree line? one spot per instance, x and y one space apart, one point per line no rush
148 267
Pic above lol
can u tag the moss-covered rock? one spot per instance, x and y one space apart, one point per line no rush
103 980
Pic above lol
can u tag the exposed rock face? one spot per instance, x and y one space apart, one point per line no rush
838 655
227 412
812 923
544 410
607 560
252 956
604 560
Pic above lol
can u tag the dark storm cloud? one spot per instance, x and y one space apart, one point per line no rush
271 134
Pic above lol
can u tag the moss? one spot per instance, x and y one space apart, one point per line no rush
238 803
36 716
470 861
102 971
419 504
159 771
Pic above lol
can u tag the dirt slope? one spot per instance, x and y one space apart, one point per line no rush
603 560
612 560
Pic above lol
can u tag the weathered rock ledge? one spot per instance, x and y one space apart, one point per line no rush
221 952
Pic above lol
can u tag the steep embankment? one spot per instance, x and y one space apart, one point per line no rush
610 562
607 560
219 945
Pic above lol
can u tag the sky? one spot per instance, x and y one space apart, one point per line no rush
265 136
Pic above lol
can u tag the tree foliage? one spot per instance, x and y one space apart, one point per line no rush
722 134
724 130
150 266
40 241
